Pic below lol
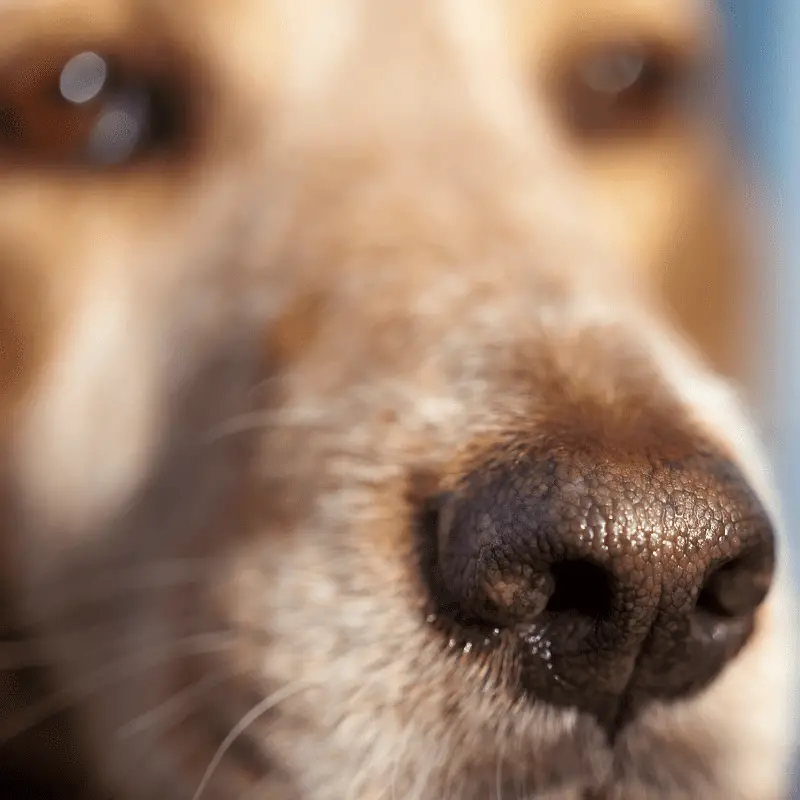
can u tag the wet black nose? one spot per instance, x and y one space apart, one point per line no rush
623 577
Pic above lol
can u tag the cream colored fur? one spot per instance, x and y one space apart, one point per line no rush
382 247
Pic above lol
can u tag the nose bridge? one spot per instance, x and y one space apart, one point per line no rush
426 85
405 161
419 64
423 196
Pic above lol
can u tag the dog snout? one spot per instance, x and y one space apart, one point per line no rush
623 577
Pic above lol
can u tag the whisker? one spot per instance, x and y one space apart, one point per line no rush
499 777
170 711
164 574
255 713
32 651
105 678
262 420
168 715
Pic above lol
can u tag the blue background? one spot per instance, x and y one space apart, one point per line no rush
764 46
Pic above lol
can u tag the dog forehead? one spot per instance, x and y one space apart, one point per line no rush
308 40
308 25
687 21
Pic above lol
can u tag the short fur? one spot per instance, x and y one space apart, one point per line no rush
240 367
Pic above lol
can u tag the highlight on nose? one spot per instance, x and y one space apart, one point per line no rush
627 575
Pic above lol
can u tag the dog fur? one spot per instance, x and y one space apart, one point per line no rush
240 364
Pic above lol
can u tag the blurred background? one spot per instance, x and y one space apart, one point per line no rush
764 52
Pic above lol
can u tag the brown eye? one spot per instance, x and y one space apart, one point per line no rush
620 89
86 110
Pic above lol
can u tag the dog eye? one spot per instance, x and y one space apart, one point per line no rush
85 110
620 89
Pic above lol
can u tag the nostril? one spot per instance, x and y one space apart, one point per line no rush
581 587
603 576
736 588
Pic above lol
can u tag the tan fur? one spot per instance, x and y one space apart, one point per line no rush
379 250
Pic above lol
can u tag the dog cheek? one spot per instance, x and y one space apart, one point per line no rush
89 427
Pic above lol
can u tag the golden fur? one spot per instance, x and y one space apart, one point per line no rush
241 362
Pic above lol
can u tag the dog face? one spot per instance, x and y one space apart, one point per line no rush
349 452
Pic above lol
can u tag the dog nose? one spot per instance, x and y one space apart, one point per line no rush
620 578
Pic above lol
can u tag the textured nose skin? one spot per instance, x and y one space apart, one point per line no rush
627 576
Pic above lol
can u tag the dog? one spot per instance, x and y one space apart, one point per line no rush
357 441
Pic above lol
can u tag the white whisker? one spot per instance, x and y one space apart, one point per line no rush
106 677
170 710
163 574
244 723
262 420
499 777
